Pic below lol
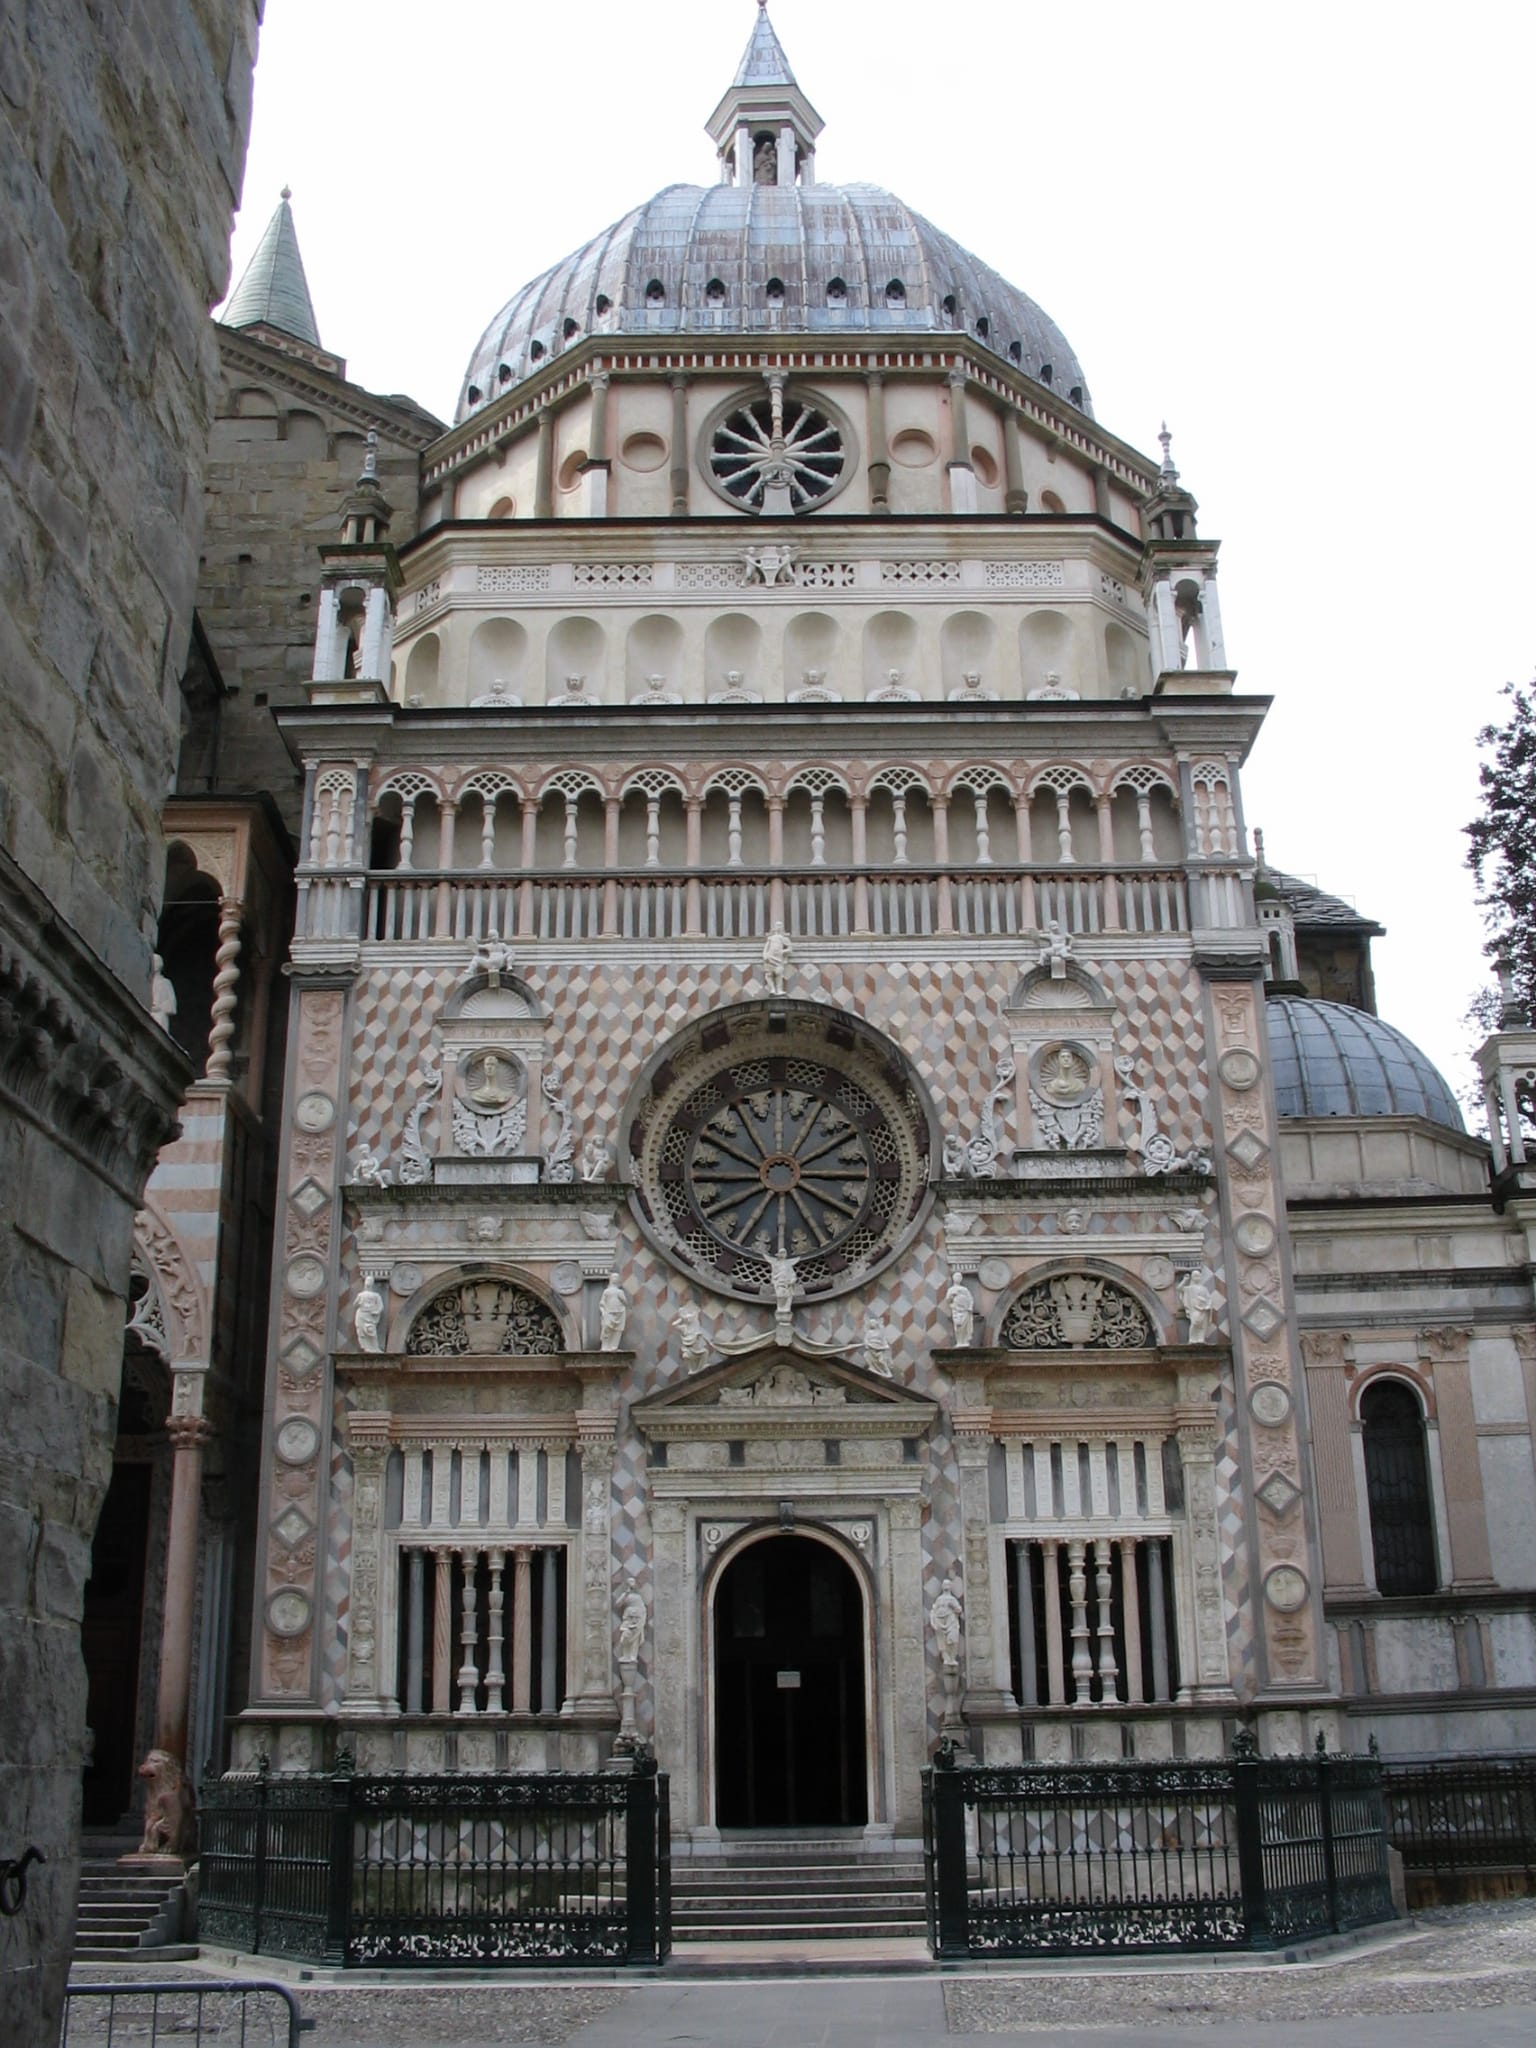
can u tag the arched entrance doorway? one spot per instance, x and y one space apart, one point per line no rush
790 1723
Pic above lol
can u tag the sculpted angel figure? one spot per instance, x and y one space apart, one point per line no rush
692 1344
877 1345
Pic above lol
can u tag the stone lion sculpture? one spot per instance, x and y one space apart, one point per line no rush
169 1807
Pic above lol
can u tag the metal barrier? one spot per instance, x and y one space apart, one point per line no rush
1240 1852
1464 1817
494 1871
236 2015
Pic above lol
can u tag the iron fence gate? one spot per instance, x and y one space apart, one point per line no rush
1466 1817
1238 1852
497 1871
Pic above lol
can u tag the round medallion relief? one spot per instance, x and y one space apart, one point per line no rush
1269 1404
994 1273
314 1112
1239 1068
406 1278
297 1441
306 1276
1286 1588
566 1278
1158 1271
1255 1235
288 1612
762 1135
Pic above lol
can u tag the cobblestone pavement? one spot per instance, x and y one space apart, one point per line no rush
1466 1976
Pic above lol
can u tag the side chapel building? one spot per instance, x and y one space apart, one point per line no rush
817 1192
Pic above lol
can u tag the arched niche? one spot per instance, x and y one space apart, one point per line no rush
654 647
577 647
890 642
187 940
1125 661
653 822
813 648
480 1313
733 645
306 437
968 645
1086 1307
1045 650
818 822
422 669
498 652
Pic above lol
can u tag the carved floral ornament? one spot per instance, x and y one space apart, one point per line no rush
485 1319
1077 1311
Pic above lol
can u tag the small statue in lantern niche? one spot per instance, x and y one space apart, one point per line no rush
877 1345
612 1313
367 1314
946 1617
1197 1298
692 1344
162 996
961 1304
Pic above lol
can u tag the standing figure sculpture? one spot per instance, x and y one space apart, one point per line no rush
946 1617
613 1313
782 1270
961 1304
692 1344
778 951
1197 1298
162 996
367 1314
631 1631
877 1345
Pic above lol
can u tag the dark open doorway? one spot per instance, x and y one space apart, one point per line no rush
789 1689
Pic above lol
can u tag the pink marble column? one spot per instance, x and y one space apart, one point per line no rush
188 1434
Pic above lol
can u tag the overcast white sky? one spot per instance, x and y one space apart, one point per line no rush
1301 232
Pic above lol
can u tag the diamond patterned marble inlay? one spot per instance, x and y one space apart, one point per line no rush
1278 1493
1247 1149
291 1526
1264 1318
309 1198
302 1357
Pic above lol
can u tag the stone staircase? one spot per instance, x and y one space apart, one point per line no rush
124 1912
796 1890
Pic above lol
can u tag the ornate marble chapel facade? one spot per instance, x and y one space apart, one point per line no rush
780 1245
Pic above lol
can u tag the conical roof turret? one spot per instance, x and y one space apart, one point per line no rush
765 62
274 292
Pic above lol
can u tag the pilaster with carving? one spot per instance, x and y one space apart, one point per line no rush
295 1484
1287 1564
368 1430
986 1679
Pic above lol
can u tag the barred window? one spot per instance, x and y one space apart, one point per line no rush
1397 1490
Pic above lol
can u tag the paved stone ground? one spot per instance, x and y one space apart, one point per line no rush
1467 1978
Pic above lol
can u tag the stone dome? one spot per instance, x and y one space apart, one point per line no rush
765 259
1331 1060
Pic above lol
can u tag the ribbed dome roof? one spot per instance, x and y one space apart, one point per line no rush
1331 1060
791 259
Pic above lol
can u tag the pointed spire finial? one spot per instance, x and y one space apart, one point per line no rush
274 292
371 459
1166 440
1258 852
287 194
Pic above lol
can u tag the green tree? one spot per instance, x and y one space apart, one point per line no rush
1502 856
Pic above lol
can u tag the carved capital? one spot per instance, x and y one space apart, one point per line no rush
1325 1347
1445 1346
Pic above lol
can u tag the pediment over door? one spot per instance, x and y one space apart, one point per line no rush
780 1391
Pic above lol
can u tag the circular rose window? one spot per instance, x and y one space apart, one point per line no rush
791 1132
780 441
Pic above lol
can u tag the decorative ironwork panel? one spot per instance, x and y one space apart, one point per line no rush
1467 1815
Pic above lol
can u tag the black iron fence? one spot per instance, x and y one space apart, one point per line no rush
495 1871
1237 1852
1467 1817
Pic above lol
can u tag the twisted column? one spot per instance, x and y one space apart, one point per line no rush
226 977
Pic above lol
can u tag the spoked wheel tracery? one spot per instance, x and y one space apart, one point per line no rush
803 1139
745 457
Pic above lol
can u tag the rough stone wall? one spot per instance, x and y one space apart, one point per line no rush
288 445
122 136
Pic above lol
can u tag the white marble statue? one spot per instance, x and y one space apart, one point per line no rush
594 1160
492 958
368 1170
631 1630
612 1314
778 952
499 697
656 692
961 1304
782 1271
162 997
947 1619
768 565
954 1157
575 692
971 690
1197 1298
692 1344
1056 951
367 1314
877 1345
